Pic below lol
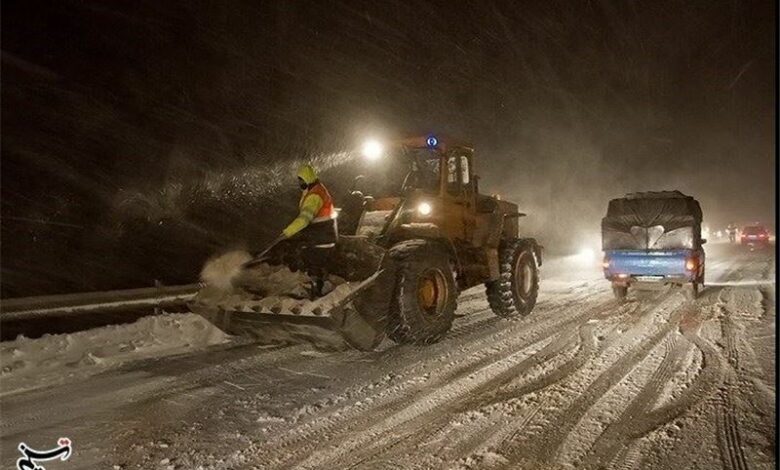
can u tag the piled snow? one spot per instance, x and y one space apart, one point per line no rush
224 273
275 281
268 286
29 363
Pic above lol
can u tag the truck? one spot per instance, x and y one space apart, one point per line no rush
423 234
653 238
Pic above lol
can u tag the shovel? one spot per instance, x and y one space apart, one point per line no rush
260 257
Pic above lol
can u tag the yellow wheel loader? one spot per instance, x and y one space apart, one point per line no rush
424 233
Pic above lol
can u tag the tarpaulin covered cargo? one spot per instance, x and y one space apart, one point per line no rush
661 220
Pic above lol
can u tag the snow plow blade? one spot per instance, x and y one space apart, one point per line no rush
334 312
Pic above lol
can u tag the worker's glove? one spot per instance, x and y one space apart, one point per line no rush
287 233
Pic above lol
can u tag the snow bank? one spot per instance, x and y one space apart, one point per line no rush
31 363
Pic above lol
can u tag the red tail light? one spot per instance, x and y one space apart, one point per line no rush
690 264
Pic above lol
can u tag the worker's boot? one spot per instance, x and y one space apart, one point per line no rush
317 283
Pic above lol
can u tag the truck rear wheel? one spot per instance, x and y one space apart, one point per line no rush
514 292
425 296
620 291
691 290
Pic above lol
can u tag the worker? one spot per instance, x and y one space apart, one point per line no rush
314 229
316 220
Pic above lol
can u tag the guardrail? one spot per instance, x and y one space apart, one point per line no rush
32 308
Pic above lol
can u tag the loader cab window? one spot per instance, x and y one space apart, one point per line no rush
428 173
458 174
452 171
465 169
424 172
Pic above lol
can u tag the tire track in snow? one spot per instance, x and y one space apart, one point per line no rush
486 397
710 381
609 443
639 419
547 443
364 417
486 393
730 440
501 439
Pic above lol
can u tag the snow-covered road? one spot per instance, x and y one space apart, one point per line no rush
659 382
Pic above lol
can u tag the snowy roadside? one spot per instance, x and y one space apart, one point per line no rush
27 363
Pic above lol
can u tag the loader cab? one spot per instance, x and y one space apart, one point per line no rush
441 174
438 189
423 164
443 177
440 167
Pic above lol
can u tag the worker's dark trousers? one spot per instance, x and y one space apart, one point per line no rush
319 233
309 250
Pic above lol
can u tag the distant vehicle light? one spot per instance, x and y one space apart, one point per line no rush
623 276
373 149
432 141
424 208
605 264
690 264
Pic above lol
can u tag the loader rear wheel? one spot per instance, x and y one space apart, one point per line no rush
514 292
425 296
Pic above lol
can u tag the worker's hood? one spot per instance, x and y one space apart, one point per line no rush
307 174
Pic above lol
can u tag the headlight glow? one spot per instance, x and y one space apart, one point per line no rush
587 254
424 208
373 149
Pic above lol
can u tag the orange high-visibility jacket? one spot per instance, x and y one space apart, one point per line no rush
316 204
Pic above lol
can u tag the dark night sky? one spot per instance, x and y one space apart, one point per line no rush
140 136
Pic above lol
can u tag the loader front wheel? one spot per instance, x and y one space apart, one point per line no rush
425 297
514 292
